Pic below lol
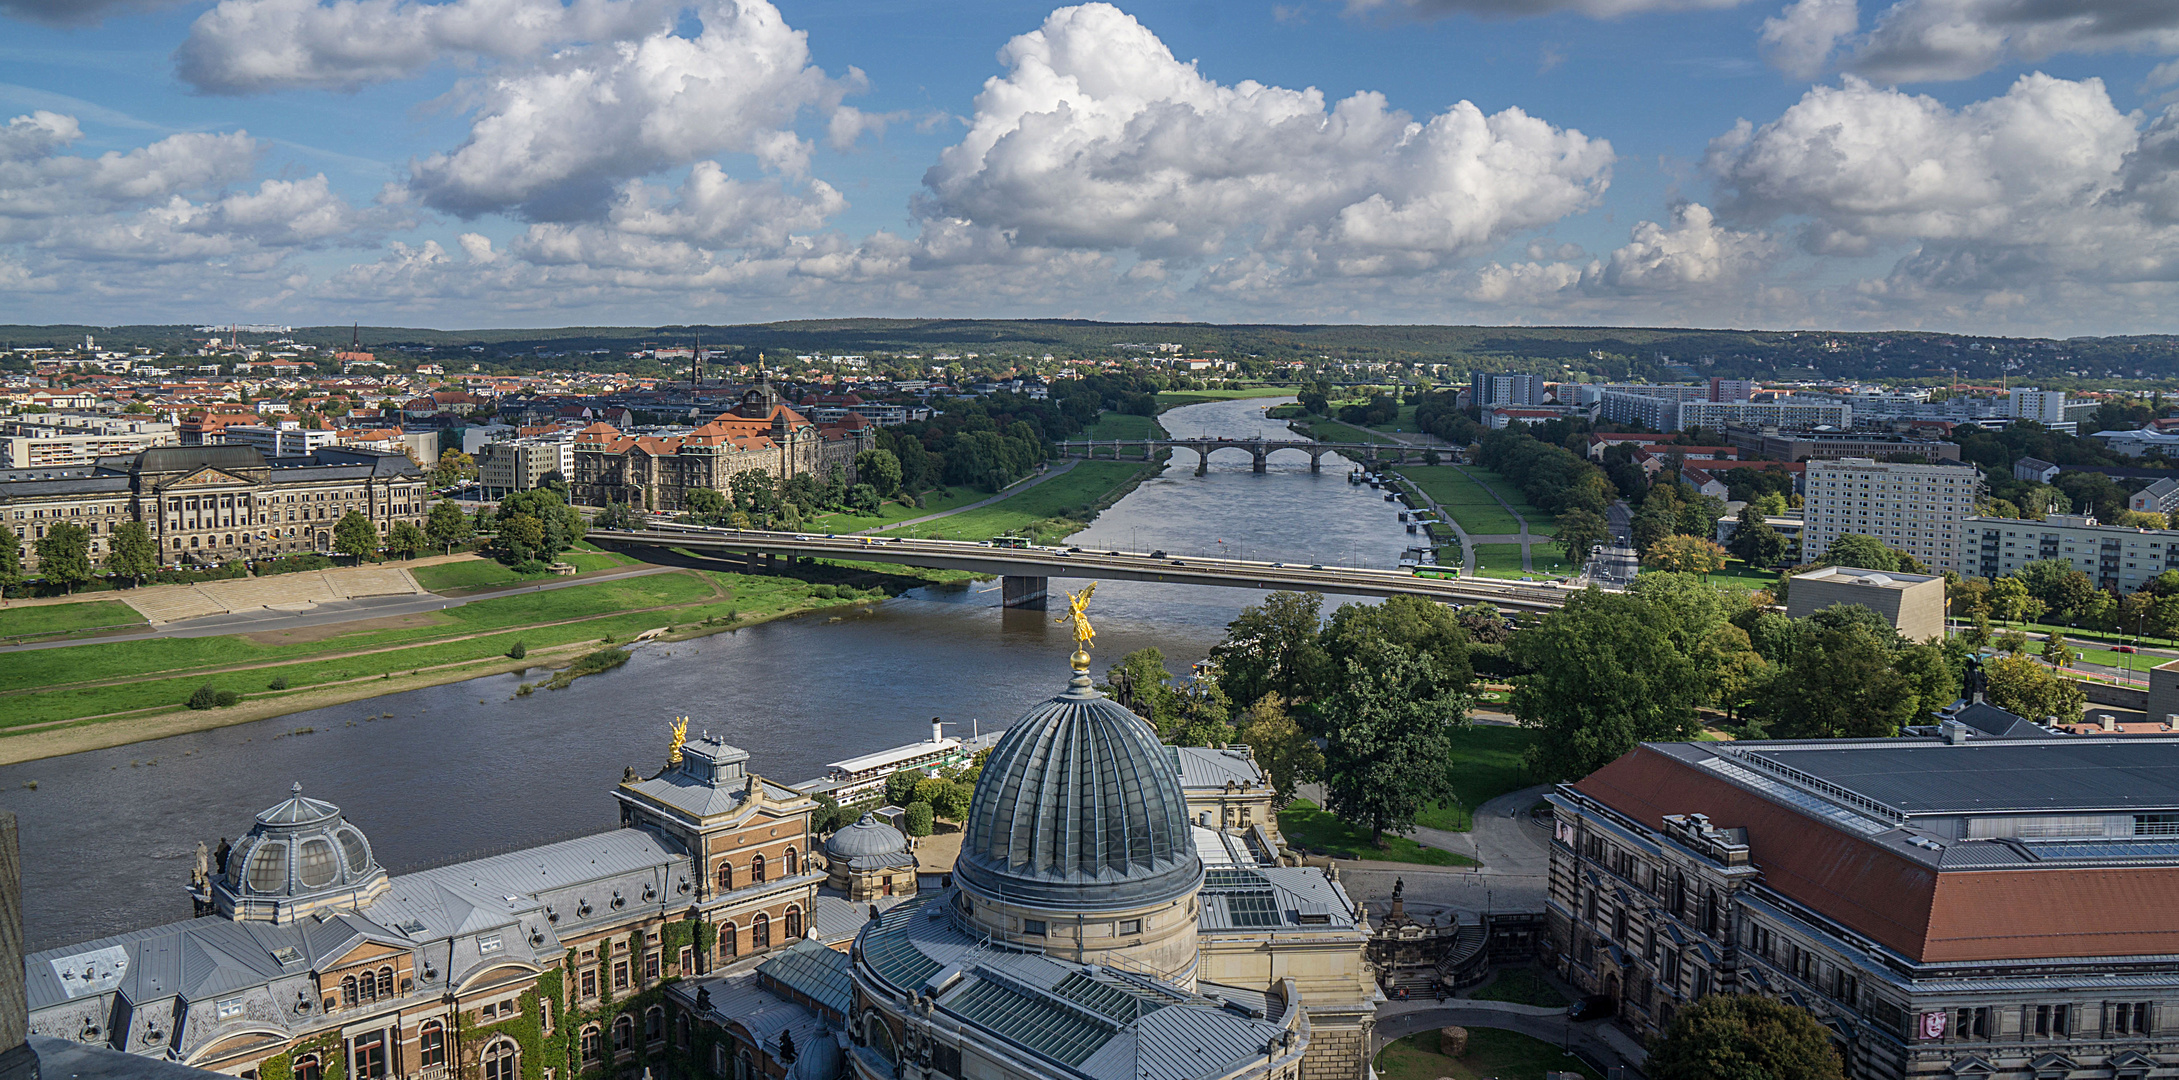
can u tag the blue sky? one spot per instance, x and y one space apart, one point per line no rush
1969 165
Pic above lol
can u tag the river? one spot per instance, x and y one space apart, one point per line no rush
435 774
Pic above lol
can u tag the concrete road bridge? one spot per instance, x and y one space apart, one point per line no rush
1259 450
1025 570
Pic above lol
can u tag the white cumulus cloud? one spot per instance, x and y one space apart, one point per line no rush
1098 138
1800 40
1917 40
552 142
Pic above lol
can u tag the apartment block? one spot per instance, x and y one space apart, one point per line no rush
2113 556
1916 508
521 464
1487 389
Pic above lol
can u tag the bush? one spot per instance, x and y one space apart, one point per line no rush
532 566
206 697
518 652
1452 1041
919 819
279 682
825 592
227 698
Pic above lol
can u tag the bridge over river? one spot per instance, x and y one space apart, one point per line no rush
1259 450
1025 570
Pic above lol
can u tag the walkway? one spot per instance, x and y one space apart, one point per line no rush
1528 562
1004 494
1600 1042
1468 541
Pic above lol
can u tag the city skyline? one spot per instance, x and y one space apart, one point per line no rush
1959 165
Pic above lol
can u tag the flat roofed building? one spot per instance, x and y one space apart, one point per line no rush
1913 507
1949 907
2117 557
1912 603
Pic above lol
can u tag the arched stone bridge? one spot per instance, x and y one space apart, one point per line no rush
1259 450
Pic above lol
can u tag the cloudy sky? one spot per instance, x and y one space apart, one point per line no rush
1998 166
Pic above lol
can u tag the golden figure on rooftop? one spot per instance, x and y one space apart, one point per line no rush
680 728
1084 634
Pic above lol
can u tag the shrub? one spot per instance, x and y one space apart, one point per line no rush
532 566
825 592
1452 1041
279 682
206 697
919 819
227 698
518 652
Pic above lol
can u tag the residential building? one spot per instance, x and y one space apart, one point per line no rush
1732 389
512 465
285 439
1632 406
1486 389
1910 506
2159 497
657 471
1948 907
2118 557
1769 442
2135 443
1500 418
2045 407
1786 412
209 504
1912 603
2035 470
40 442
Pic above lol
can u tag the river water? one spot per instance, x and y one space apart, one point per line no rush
432 775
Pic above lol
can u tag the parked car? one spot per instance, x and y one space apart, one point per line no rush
1595 1007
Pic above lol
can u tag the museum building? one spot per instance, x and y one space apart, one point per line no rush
657 471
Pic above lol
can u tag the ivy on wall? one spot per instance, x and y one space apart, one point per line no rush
331 1060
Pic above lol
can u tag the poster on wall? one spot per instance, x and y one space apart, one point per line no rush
1933 1024
1565 832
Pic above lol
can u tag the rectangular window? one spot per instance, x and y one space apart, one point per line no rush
1130 926
650 967
490 943
1033 927
2156 824
590 983
230 1008
620 974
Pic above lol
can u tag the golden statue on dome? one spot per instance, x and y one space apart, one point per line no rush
1085 635
680 728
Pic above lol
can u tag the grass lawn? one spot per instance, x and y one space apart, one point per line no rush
1741 577
1499 560
477 574
1336 431
1493 1054
1033 510
1119 425
936 501
1307 826
1403 423
52 619
1486 764
1522 986
1469 502
1173 399
1539 523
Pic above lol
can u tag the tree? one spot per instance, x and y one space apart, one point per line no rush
1755 542
355 536
1840 684
64 555
1387 737
864 500
1359 633
706 506
453 466
1603 678
948 799
880 469
2055 652
1683 554
1288 756
900 786
1140 682
11 560
1272 648
2019 685
448 526
1863 552
1580 530
616 516
1743 1037
131 552
918 819
405 540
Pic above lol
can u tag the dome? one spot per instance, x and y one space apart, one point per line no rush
302 855
1079 807
866 838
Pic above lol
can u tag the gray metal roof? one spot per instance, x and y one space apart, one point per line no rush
1286 898
836 918
1213 767
741 1000
1904 778
823 975
1079 805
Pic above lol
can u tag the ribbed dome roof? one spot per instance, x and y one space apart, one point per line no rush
866 837
1079 806
300 851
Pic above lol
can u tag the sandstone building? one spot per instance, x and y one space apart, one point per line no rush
656 472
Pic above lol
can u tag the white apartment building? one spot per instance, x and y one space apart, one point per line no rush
2117 557
1789 411
285 439
512 465
2047 407
45 442
1916 508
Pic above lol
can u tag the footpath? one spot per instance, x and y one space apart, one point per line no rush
1004 494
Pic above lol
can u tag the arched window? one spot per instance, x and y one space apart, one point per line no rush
431 1044
308 1068
348 992
591 1049
794 923
794 864
681 1031
726 876
743 1068
760 931
729 941
756 869
879 1037
367 987
624 1033
385 982
501 1061
654 1024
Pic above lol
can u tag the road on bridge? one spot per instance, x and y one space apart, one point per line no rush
1075 562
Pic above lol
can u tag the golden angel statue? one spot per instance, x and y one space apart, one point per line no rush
680 728
1084 634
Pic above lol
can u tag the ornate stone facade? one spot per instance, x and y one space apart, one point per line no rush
656 472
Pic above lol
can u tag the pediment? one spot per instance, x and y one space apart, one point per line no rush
366 952
209 477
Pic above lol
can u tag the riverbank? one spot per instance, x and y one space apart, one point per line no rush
351 662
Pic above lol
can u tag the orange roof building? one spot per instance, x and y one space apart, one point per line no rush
656 471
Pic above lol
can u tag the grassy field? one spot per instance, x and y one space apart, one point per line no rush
1486 764
50 685
937 501
1493 1054
1033 510
1308 826
1335 431
1522 986
483 573
1173 399
1469 502
52 619
1120 425
1539 523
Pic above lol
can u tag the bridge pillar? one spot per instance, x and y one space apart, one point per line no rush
754 563
1316 461
1259 457
1022 592
1202 459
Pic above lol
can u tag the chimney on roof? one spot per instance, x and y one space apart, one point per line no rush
1956 733
2107 721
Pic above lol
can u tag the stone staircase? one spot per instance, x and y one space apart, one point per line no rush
174 603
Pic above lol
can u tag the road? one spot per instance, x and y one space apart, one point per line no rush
1515 853
1598 1041
338 611
980 558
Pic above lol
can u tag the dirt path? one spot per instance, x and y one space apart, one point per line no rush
1002 496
